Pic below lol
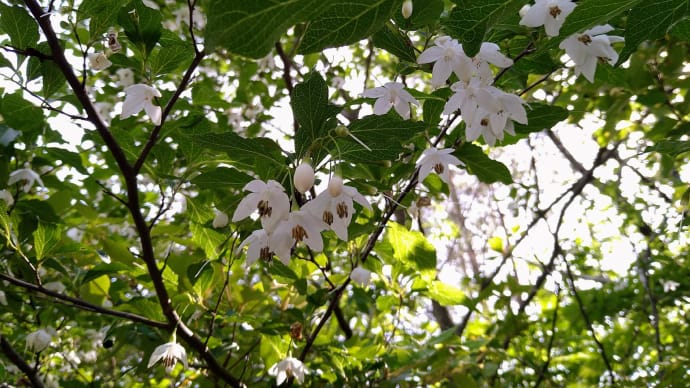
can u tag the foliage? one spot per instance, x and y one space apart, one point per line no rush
122 237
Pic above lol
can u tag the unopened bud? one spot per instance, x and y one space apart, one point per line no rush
342 131
524 9
220 220
407 9
335 186
304 177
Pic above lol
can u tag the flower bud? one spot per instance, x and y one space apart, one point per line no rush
39 340
407 9
304 177
220 220
361 276
524 9
335 186
342 131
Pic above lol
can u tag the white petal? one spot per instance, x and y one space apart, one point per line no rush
431 54
382 106
154 112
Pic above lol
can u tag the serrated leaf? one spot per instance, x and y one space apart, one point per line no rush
413 249
198 211
96 290
141 24
67 157
19 25
424 13
207 239
471 20
46 238
251 28
170 58
201 276
480 164
383 135
346 22
20 114
540 117
282 272
445 294
649 20
395 42
102 15
104 269
222 178
310 107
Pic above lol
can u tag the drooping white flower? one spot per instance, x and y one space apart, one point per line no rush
3 298
300 226
464 98
448 56
138 97
361 276
125 77
289 367
39 340
489 53
436 160
26 175
407 9
304 177
6 196
169 353
99 61
220 220
669 285
590 47
391 94
549 13
260 247
335 206
269 199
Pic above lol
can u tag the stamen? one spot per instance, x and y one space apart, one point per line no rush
265 254
484 122
298 233
264 209
554 11
586 39
438 168
342 210
328 217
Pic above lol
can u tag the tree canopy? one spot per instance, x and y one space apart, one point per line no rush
344 193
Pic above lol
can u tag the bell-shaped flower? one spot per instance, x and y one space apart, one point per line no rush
448 56
39 340
125 77
304 177
590 47
220 220
269 199
260 247
464 98
392 94
99 61
289 367
26 175
436 160
335 206
489 53
6 196
169 353
548 13
361 276
138 97
300 226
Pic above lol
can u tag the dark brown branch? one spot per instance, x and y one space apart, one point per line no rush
559 144
342 322
12 355
545 368
82 304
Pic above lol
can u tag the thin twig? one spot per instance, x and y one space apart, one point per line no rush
12 355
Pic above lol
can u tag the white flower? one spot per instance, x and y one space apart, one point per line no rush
361 276
220 220
55 287
300 226
407 9
98 61
6 196
464 98
669 285
335 206
170 353
390 95
269 199
138 97
289 367
588 48
304 177
488 53
3 298
26 175
448 56
260 246
103 110
438 161
125 77
549 13
39 340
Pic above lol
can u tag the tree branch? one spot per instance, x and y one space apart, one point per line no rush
12 355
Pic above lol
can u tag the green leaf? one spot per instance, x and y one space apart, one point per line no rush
391 39
104 269
207 239
383 135
424 13
282 272
67 157
222 178
478 163
46 238
310 106
141 24
103 15
346 22
672 148
445 294
19 25
649 20
96 290
471 20
198 211
168 59
20 114
540 117
251 28
413 249
201 276
118 251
